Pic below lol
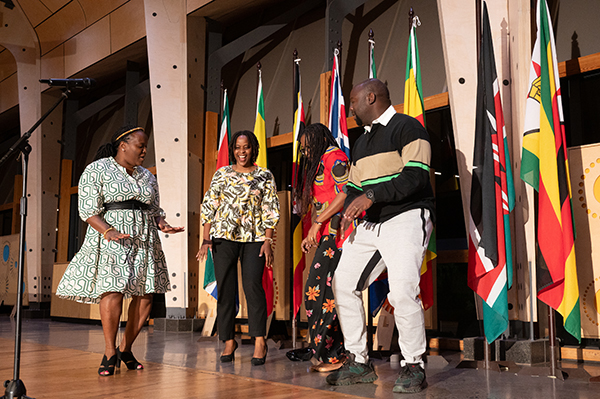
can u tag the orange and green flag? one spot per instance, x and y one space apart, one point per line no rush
413 106
260 130
544 166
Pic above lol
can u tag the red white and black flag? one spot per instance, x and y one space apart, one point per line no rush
490 265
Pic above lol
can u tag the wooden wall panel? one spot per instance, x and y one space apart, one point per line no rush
585 185
61 26
88 47
53 64
35 10
8 65
62 246
211 134
95 10
193 5
10 93
55 5
16 215
127 25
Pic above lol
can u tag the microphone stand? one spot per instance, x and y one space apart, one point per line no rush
15 389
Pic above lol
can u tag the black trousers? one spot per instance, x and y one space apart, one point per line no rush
226 254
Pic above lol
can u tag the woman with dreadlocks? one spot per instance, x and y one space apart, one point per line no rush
321 178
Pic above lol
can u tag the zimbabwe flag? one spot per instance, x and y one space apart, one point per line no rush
544 166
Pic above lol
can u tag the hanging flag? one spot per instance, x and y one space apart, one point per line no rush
426 282
223 152
413 91
210 281
337 109
372 70
298 258
260 130
267 283
413 106
545 167
489 231
261 134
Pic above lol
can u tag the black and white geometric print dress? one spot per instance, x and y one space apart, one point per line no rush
134 266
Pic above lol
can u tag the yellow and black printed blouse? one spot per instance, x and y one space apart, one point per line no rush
241 206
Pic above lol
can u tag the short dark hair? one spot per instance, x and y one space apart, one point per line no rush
253 145
378 88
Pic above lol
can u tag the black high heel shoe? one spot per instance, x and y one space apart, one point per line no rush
259 361
107 367
229 358
129 360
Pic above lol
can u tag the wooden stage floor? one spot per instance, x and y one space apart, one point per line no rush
60 360
54 372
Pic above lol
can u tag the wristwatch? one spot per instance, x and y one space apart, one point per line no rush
370 195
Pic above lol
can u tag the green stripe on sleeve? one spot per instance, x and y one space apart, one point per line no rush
415 164
379 179
354 186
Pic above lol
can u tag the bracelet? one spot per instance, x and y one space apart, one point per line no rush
319 223
106 231
270 239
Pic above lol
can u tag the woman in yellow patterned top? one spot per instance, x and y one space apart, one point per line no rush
240 211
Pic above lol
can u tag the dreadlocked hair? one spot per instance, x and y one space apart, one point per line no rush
252 140
318 139
122 135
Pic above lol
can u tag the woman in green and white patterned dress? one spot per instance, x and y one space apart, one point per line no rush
121 255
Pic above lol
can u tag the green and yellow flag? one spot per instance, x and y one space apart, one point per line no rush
545 167
260 130
413 106
413 91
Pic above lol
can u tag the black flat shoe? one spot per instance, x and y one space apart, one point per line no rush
259 361
299 355
129 360
229 358
107 367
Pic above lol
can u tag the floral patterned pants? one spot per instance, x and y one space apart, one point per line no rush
323 326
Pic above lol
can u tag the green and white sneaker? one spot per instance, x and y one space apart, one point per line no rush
411 379
352 373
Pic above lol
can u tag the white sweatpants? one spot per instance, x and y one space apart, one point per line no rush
402 242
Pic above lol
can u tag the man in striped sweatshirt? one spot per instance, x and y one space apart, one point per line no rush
389 179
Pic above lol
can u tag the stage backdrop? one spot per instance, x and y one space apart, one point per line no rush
585 183
9 272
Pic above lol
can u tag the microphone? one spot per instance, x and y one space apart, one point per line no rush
70 83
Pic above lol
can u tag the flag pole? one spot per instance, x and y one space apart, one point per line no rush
221 105
339 48
372 73
486 344
294 316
